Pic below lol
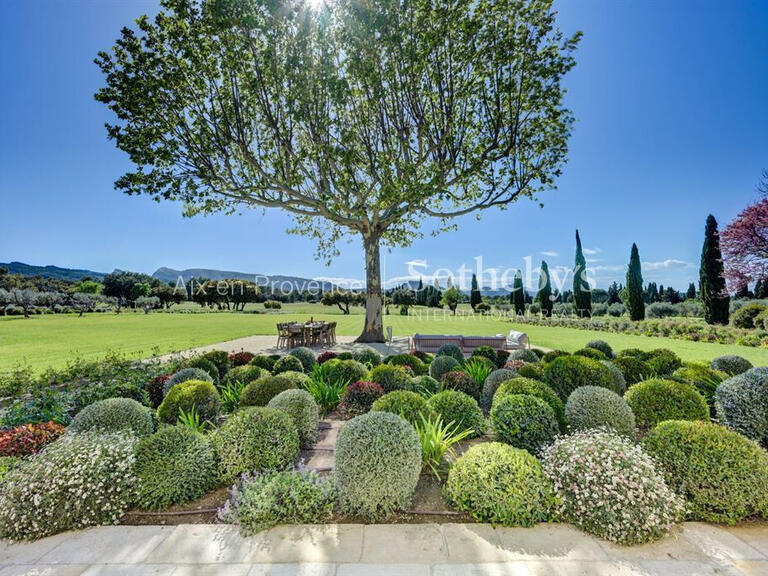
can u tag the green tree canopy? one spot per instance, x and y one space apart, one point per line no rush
634 300
545 290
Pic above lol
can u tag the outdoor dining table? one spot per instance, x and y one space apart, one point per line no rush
292 334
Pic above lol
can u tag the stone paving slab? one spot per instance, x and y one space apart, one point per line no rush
398 550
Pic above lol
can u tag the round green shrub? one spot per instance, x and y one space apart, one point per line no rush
741 403
255 439
703 378
288 363
8 463
633 352
267 362
486 352
491 384
345 356
656 400
442 364
593 353
619 383
524 354
633 369
298 379
567 373
534 388
378 463
205 364
220 359
261 391
551 355
462 410
591 407
663 362
305 356
721 475
347 371
452 351
197 394
731 364
79 480
601 345
390 378
532 370
186 374
424 384
174 466
245 374
359 397
404 403
368 357
418 367
524 421
461 381
115 415
499 484
301 407
745 316
608 486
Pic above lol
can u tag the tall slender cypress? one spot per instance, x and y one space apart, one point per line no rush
474 295
545 290
635 302
712 291
518 294
582 291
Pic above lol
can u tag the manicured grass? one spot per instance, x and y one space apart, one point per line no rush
51 340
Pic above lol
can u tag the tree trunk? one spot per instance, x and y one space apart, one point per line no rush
373 330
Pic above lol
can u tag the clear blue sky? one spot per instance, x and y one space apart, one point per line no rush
672 124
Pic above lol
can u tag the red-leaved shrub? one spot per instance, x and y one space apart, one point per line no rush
359 397
240 358
325 356
28 438
155 388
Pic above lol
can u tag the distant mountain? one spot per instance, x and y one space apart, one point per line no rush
279 282
68 274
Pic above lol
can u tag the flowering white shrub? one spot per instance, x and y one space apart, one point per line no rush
609 487
77 481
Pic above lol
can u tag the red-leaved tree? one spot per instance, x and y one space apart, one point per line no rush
745 246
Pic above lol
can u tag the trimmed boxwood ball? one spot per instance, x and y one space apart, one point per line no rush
115 415
703 378
721 474
487 352
462 410
633 369
424 385
499 484
404 403
183 375
461 381
255 439
523 354
265 361
451 350
619 383
390 378
359 397
533 370
534 388
298 379
601 345
567 373
220 359
731 364
418 367
633 352
591 407
305 356
261 391
368 356
442 364
301 407
593 353
741 403
174 466
200 394
346 371
524 421
287 363
656 400
663 362
377 467
207 365
245 374
551 355
491 384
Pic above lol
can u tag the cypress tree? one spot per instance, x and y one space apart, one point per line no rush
518 294
613 293
474 295
712 291
582 291
635 302
421 295
545 290
691 292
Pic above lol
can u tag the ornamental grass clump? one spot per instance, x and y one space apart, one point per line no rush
115 415
78 481
404 403
524 421
174 466
378 462
459 409
655 400
741 403
592 407
437 441
610 487
499 484
301 407
721 474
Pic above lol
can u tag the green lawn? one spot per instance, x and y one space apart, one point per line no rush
50 340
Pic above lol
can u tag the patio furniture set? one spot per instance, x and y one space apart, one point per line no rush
292 334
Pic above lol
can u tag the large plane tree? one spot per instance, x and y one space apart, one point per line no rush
359 117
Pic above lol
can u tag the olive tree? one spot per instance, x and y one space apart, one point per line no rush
361 119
